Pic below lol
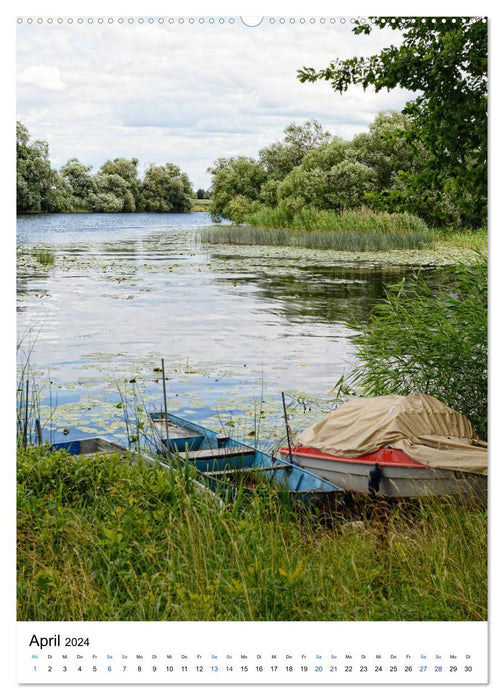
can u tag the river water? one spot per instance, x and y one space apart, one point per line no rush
235 325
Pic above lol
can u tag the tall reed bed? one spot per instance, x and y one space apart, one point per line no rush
354 230
104 539
361 220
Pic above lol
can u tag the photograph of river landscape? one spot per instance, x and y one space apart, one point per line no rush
217 222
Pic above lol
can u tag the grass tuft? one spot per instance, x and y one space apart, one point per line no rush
44 257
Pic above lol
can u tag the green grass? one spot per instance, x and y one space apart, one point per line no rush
431 340
322 240
201 205
102 539
351 230
359 220
44 257
476 240
357 230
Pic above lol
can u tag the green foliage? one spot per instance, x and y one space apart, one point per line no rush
240 208
81 182
445 61
106 202
119 177
165 188
44 257
115 188
232 177
38 188
281 157
432 341
389 148
378 169
303 187
327 155
308 227
348 183
363 220
100 538
113 193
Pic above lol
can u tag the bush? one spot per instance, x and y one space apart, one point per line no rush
240 207
106 202
431 341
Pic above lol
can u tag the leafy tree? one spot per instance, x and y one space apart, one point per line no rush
239 208
232 177
342 186
116 186
348 183
326 155
59 196
304 187
281 157
128 171
165 188
444 60
389 148
269 192
80 181
106 202
36 180
202 194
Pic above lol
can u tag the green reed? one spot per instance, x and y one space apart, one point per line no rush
45 257
353 230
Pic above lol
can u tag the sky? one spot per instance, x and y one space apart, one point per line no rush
185 90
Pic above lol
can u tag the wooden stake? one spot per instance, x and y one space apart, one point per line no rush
25 427
287 427
38 427
165 409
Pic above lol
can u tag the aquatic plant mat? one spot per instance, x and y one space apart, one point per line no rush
102 538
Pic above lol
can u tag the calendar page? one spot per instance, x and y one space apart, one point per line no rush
251 328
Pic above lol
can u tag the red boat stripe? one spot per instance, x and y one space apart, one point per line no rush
385 457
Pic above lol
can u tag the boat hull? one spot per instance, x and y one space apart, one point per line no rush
395 480
228 465
87 447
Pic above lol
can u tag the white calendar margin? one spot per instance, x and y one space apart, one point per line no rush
10 628
124 652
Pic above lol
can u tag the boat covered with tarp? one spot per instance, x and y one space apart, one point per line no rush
392 445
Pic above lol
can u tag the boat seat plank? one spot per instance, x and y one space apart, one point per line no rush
175 431
218 452
225 472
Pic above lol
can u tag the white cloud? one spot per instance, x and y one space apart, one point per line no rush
185 93
42 77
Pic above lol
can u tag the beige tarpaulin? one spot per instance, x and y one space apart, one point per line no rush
424 428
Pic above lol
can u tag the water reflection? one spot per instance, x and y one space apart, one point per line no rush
328 293
231 323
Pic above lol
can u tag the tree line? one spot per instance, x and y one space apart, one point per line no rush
310 170
116 187
430 160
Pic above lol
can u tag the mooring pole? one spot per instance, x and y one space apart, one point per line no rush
25 427
287 427
165 409
38 428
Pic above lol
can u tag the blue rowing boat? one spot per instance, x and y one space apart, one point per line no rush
88 447
228 465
